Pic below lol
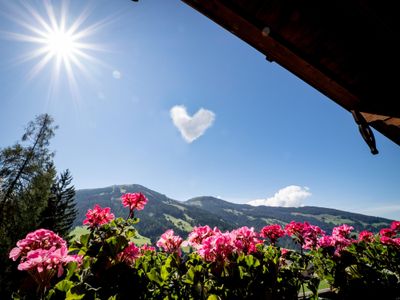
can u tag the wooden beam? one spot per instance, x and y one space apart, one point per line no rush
275 51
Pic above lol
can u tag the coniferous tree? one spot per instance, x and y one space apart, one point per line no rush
19 163
27 175
60 212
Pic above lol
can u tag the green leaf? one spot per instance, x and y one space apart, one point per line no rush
213 297
71 267
130 233
249 259
189 278
242 272
164 273
73 296
84 239
48 296
64 285
168 261
116 244
154 276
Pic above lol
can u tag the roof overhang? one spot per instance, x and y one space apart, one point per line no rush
348 50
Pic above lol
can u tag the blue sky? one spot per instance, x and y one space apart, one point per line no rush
268 131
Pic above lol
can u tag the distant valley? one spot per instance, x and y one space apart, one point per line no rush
162 213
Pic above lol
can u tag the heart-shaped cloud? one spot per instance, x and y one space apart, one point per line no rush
193 127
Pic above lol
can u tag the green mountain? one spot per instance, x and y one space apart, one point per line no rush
259 216
162 213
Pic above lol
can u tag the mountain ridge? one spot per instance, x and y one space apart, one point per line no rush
162 213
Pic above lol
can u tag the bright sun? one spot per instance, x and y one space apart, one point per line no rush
58 41
61 44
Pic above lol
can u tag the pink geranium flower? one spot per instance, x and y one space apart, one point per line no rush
50 261
129 254
388 232
395 226
342 230
135 201
386 240
169 242
284 251
272 233
325 241
198 234
366 236
44 254
218 247
307 235
295 229
38 239
98 216
311 234
341 237
145 248
245 239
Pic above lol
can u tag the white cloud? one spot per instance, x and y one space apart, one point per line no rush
290 196
116 74
193 127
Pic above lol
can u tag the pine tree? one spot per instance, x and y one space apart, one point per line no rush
19 164
27 175
60 212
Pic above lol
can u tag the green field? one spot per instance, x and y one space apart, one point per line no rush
336 220
181 224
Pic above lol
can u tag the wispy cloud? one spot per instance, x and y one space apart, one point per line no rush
191 127
290 196
391 211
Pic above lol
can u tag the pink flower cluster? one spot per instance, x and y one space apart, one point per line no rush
169 242
366 236
129 254
214 245
98 216
146 248
132 252
272 233
198 234
135 201
245 239
43 252
307 235
39 239
340 238
391 236
217 247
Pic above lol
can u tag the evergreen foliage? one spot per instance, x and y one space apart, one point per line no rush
31 194
60 213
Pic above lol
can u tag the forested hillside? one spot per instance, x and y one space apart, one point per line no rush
163 213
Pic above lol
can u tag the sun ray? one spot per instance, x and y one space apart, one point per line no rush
79 21
32 12
50 13
32 55
40 65
24 37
